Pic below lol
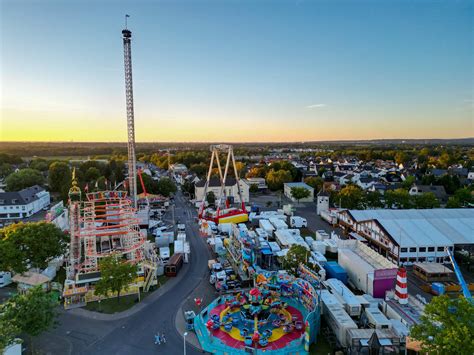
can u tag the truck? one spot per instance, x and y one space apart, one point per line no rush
165 253
174 265
298 222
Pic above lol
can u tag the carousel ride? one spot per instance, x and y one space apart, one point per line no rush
258 318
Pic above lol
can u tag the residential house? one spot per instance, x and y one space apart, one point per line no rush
230 189
17 205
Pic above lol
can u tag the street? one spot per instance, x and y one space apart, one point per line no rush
135 334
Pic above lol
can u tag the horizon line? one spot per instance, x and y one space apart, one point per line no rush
249 142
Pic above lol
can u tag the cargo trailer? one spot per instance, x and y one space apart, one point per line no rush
345 296
266 226
339 322
278 223
376 319
335 271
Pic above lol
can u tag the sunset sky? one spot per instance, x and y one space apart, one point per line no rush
237 70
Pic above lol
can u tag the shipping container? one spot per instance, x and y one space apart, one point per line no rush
335 271
339 322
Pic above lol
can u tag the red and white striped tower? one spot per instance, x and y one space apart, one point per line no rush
401 290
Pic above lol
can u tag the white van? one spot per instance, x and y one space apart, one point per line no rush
298 222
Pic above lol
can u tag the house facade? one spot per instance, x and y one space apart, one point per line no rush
230 189
17 205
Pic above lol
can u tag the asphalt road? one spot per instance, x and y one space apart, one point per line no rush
135 334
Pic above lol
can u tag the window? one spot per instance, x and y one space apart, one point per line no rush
431 249
422 249
403 250
412 250
440 249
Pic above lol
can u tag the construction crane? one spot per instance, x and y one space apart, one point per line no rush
457 271
132 162
143 187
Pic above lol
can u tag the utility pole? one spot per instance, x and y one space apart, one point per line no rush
132 162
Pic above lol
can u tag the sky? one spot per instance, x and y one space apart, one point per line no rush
237 71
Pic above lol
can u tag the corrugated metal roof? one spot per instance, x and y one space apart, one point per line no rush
424 227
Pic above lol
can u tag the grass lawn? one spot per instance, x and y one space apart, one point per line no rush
113 305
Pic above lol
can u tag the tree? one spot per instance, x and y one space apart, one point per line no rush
23 178
296 255
276 179
92 174
399 198
446 326
453 202
373 199
257 171
409 181
350 197
198 169
464 196
299 193
253 188
166 187
315 182
39 164
425 200
211 198
8 331
33 243
401 157
59 177
32 313
115 275
5 170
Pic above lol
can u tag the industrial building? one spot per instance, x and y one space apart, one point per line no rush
412 235
17 205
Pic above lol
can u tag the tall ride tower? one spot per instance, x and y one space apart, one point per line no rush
132 161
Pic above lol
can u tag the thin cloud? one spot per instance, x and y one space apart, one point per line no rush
316 106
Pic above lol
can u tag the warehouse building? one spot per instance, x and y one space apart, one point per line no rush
413 235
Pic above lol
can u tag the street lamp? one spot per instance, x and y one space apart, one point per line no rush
184 342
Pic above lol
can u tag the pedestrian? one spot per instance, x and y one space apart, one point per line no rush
163 339
157 339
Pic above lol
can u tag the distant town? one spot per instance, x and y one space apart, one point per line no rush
377 230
